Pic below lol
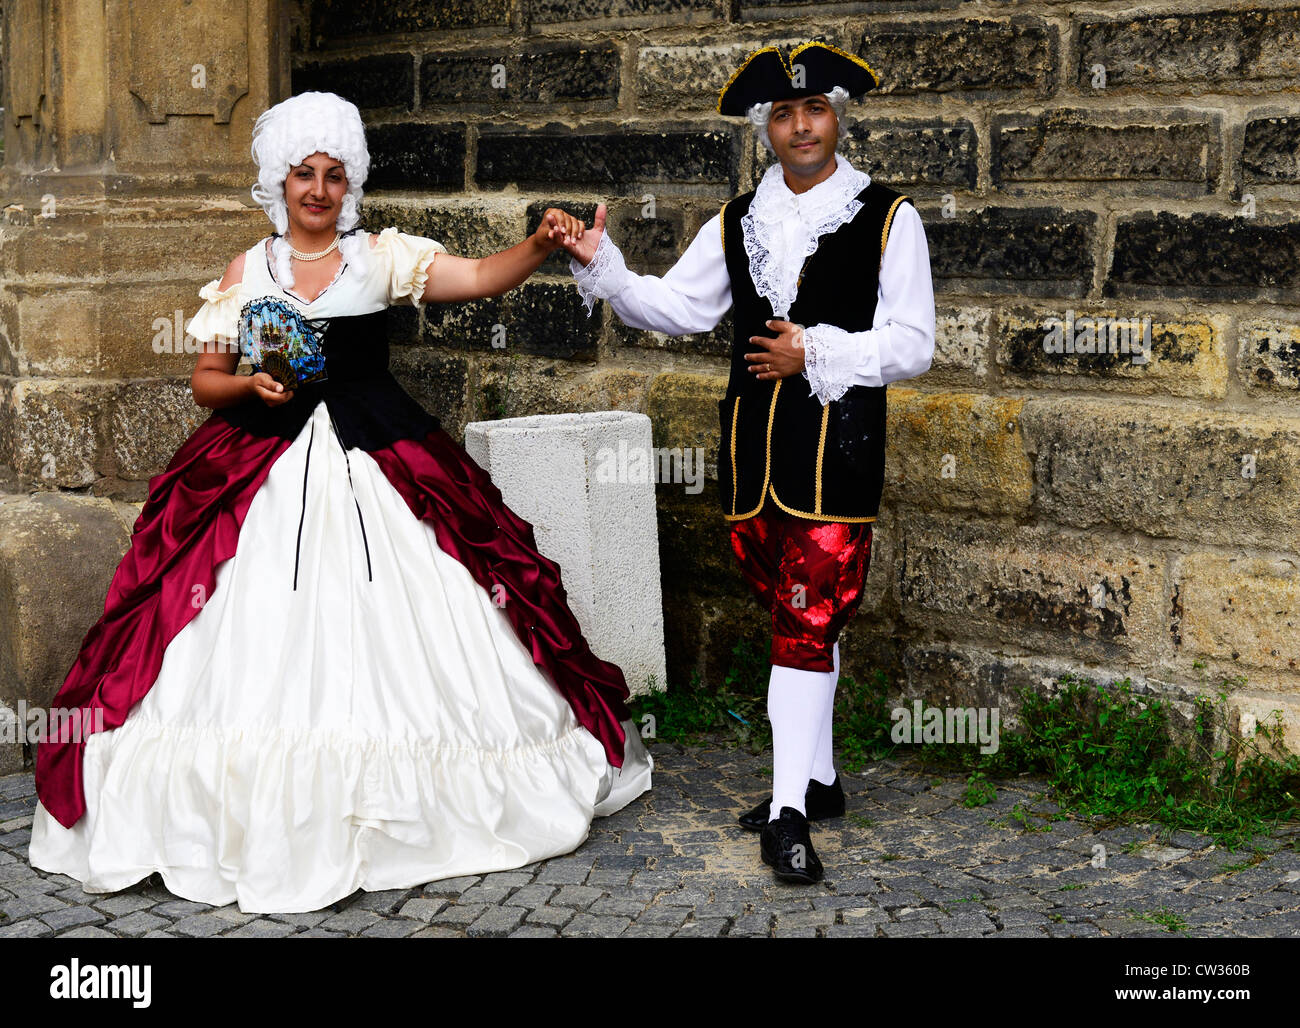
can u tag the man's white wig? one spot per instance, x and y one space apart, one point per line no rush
838 97
290 132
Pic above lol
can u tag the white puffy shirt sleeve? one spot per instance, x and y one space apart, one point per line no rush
218 319
900 343
406 260
692 296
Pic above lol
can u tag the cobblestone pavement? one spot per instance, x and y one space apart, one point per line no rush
907 859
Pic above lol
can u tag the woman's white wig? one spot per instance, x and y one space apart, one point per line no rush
838 97
288 133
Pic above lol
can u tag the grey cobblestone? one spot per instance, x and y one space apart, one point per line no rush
605 927
392 928
674 864
201 926
137 924
555 917
576 896
495 923
531 896
267 929
71 917
459 916
87 932
422 908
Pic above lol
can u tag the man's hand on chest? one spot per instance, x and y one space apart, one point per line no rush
779 356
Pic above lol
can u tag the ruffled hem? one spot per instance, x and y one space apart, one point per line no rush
408 258
218 318
291 821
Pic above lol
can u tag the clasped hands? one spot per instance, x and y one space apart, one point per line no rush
781 355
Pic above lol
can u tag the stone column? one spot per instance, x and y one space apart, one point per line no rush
125 188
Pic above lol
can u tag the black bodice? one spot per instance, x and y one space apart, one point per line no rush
369 407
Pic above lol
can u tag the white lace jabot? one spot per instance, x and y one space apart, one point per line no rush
782 228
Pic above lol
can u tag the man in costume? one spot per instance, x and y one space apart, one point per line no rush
829 276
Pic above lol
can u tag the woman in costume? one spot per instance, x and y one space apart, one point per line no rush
332 658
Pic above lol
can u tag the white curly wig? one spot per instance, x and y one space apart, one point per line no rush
838 98
289 132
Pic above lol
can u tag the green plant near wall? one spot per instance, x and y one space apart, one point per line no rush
1106 752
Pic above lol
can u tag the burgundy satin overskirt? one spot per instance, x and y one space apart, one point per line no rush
190 524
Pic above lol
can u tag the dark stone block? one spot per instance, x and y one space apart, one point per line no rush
929 152
552 11
381 81
1205 255
974 54
1271 151
542 318
1022 349
708 344
613 160
538 76
1067 145
340 22
1031 251
1203 48
414 156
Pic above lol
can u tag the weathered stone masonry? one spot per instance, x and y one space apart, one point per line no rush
1043 512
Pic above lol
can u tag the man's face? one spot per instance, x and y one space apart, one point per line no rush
803 134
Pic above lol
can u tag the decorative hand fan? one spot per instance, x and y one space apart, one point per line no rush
277 339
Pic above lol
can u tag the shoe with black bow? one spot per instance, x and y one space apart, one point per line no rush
787 847
821 801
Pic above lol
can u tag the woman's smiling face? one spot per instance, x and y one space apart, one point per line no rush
314 191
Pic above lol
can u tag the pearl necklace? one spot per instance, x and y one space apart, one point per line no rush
314 256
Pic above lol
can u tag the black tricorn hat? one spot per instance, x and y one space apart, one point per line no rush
814 68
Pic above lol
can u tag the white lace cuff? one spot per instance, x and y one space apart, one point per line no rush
830 361
604 277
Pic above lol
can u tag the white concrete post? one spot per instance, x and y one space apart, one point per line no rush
603 534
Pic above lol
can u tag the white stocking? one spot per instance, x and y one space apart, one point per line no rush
823 768
796 706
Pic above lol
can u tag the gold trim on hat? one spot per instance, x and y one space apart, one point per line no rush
834 49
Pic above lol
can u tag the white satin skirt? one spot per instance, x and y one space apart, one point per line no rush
299 745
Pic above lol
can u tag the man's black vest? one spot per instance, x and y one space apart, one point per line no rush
826 463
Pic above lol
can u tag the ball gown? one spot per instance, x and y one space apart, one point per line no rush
332 658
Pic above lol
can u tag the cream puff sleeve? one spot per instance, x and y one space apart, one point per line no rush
404 260
218 318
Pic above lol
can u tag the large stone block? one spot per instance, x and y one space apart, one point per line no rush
1268 356
506 78
690 76
684 408
1206 256
1240 614
1033 587
1162 472
959 451
614 161
975 54
1176 150
1021 250
1180 49
1184 357
574 478
515 387
58 554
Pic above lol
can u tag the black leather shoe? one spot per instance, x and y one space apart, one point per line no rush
787 847
820 801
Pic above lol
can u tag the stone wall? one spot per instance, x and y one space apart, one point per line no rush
1043 512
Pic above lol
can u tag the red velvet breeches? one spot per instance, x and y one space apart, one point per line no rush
809 575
